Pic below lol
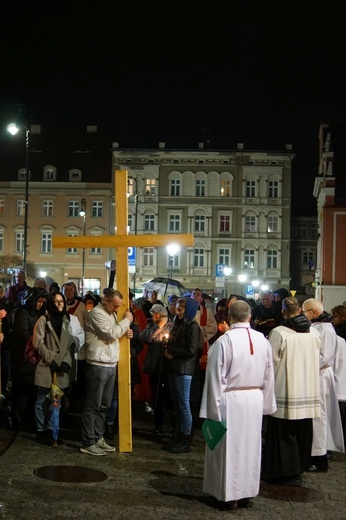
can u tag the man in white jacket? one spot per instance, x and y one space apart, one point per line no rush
102 333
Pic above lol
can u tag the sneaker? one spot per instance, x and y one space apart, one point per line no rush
101 443
94 449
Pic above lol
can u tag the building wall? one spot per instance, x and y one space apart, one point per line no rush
217 170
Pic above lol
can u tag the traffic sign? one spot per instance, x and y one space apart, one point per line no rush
131 255
219 270
250 289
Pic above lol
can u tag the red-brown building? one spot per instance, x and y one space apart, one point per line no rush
329 190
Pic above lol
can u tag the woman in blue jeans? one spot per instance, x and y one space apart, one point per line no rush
185 339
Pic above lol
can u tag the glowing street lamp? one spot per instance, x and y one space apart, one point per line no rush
242 277
227 271
172 250
82 213
13 129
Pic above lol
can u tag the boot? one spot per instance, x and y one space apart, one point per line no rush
181 447
167 446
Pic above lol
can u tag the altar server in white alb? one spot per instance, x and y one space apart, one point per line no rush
327 429
238 391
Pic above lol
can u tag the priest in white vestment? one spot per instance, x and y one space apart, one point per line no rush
327 429
239 389
296 349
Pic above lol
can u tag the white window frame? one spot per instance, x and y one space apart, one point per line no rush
273 224
20 210
174 222
200 187
175 187
273 189
225 217
47 208
149 222
73 208
150 187
224 255
249 258
19 241
199 223
198 257
148 256
250 188
97 208
226 188
250 223
46 242
272 259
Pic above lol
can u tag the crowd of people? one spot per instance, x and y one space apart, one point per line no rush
269 372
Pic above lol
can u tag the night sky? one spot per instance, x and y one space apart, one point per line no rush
264 73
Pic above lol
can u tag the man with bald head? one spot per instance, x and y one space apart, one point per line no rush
238 391
327 429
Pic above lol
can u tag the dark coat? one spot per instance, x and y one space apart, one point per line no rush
185 339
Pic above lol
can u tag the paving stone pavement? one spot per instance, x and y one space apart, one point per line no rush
147 483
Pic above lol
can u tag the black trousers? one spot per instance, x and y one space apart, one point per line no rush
287 447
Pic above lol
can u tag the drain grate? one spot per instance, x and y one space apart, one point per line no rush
70 474
290 493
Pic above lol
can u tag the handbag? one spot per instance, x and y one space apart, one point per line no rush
31 354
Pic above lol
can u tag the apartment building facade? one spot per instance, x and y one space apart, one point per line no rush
235 203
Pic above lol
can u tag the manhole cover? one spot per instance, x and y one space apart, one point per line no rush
290 493
70 474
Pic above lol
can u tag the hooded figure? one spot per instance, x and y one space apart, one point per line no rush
185 339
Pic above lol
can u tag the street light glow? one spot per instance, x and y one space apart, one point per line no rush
12 128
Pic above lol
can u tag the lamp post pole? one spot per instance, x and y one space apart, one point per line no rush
13 129
26 214
82 213
172 249
134 180
227 271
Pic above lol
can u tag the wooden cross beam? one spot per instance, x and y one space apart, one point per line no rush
121 241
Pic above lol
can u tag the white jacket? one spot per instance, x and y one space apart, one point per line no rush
102 333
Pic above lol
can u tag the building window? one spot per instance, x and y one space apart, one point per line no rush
273 189
46 242
249 258
20 208
224 223
174 223
47 208
1 240
307 257
73 208
175 187
272 224
224 256
250 224
200 188
150 187
225 188
95 250
301 230
2 207
175 259
97 208
314 230
250 189
272 259
198 257
149 222
72 250
132 186
148 256
19 242
199 223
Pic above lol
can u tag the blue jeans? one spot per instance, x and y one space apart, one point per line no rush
179 386
99 390
42 413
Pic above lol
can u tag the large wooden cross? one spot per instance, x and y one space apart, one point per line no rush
121 241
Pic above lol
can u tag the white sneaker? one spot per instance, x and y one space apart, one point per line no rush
94 449
101 443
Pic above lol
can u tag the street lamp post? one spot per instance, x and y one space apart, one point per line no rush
242 277
227 271
172 249
134 180
82 213
13 129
